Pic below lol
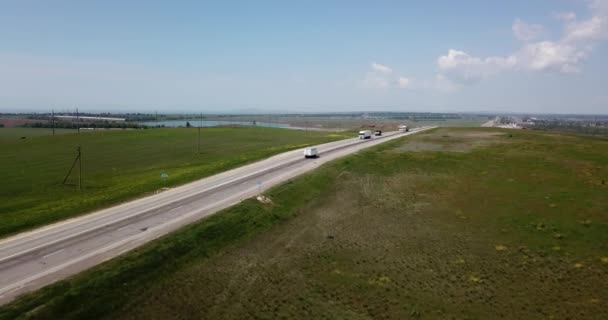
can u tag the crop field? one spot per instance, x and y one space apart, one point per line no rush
119 165
455 223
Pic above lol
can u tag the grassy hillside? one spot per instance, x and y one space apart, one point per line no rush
450 224
119 165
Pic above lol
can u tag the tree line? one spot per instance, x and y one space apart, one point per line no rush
72 125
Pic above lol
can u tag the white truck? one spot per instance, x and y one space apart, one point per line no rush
311 153
404 128
365 134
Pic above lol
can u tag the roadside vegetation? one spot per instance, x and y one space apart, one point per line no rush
120 165
579 127
464 223
343 122
76 125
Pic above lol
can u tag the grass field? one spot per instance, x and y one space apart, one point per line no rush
12 134
120 165
350 123
457 223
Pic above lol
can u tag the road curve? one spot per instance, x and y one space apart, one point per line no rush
34 259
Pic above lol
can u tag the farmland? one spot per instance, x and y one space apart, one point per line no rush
454 223
120 165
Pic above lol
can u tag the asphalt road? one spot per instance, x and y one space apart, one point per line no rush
31 260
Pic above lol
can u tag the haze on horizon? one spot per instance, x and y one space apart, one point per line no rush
545 56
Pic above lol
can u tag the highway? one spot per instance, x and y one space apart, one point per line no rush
34 259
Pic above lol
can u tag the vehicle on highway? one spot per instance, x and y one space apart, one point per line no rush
378 133
404 128
365 134
311 153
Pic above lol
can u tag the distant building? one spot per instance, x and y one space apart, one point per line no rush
89 119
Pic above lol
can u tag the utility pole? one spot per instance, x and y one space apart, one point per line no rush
79 169
199 134
78 120
79 160
53 120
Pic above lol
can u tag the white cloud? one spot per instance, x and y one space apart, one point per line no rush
527 32
380 68
403 82
588 30
460 66
381 77
565 16
564 55
373 80
600 6
550 56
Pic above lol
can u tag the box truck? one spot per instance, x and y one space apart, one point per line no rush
365 134
311 153
404 128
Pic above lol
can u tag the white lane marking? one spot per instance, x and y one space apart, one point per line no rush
177 191
11 290
123 227
20 284
50 254
174 209
183 192
124 218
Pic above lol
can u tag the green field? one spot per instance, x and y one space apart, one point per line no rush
120 165
353 123
456 223
12 134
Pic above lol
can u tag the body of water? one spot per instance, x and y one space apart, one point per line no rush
197 123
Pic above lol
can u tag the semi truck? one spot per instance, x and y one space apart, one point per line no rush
365 134
311 153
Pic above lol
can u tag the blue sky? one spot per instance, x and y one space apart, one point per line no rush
288 56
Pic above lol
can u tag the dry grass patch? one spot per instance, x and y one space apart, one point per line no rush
446 140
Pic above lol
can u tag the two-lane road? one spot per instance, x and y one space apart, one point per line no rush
37 258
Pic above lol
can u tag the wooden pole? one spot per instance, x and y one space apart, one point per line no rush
79 169
199 133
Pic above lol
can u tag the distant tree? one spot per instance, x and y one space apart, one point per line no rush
188 124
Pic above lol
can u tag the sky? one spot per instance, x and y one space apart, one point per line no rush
534 56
